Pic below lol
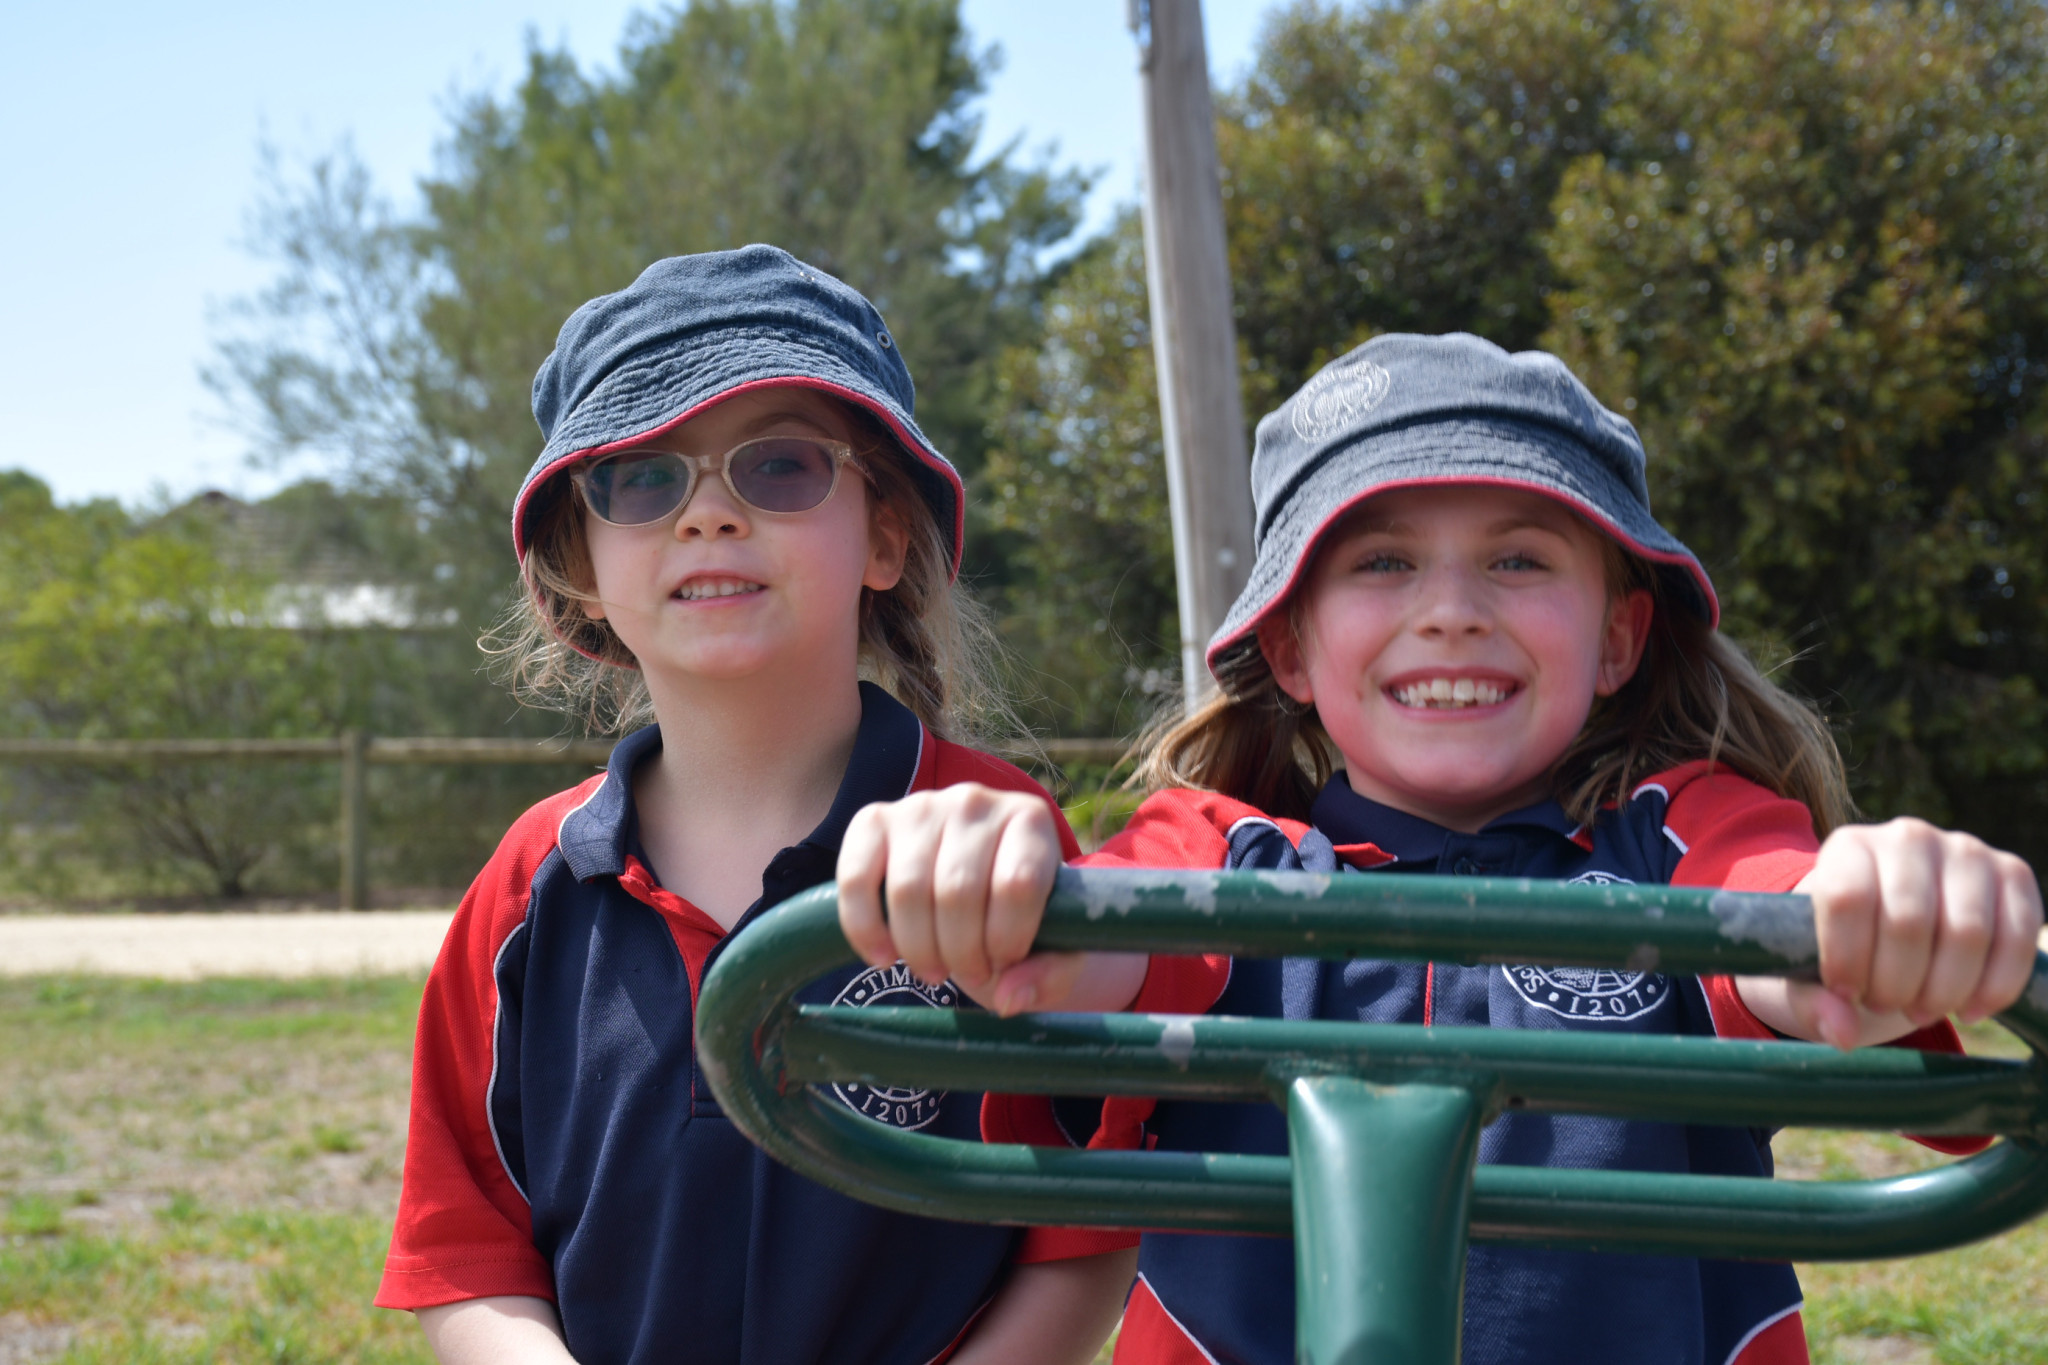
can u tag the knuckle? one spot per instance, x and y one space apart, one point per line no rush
1965 852
1972 933
1014 884
910 884
952 887
1917 838
1911 917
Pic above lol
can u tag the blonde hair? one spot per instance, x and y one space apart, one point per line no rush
925 639
1695 695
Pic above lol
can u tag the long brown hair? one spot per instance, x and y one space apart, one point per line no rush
1695 695
925 639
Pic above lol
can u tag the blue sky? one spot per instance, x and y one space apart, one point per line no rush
128 154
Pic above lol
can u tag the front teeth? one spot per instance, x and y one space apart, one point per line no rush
693 592
1447 694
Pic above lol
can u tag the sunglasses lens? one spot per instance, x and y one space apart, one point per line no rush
637 487
783 474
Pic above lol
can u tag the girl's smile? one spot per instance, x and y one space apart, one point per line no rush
715 588
1460 690
1452 639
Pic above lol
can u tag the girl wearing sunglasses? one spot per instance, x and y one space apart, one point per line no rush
738 546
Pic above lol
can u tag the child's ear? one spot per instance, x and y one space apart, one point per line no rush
1281 645
888 548
583 579
1623 642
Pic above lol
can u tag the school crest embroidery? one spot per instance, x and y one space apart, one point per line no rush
1598 994
1338 396
894 1105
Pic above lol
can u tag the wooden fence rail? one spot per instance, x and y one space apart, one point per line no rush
355 751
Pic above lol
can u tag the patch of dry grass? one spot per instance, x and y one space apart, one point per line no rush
201 1171
205 1171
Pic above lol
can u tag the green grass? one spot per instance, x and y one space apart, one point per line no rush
206 1171
201 1171
1985 1304
202 1287
1099 814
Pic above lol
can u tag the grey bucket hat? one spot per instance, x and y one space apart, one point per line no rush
1404 410
694 330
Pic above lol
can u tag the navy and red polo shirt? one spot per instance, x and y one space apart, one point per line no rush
1206 1298
563 1143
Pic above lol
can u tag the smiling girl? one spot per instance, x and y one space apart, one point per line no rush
1466 648
735 521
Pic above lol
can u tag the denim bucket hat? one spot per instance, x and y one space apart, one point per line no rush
1405 410
694 330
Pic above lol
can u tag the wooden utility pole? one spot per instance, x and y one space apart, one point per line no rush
1194 334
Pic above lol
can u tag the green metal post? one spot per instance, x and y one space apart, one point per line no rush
1382 1197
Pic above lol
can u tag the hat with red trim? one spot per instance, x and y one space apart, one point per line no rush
693 330
1405 410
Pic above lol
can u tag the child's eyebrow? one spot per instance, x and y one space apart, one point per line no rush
1510 525
781 415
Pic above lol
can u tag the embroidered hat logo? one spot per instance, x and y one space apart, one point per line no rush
1338 396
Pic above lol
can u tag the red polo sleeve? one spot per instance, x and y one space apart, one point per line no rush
464 1230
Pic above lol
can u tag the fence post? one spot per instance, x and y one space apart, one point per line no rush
355 820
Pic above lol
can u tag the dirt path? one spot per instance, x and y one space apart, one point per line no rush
182 947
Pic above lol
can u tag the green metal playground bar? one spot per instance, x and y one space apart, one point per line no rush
1381 1189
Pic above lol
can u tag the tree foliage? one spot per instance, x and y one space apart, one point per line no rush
122 630
843 130
1812 266
1800 243
1075 483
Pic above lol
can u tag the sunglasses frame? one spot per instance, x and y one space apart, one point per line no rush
842 455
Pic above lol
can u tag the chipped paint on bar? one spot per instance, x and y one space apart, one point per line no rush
1749 917
1176 1038
1307 886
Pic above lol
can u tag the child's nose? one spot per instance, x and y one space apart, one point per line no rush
712 512
1452 604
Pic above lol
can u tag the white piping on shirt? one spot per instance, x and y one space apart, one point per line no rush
1663 791
563 823
491 1086
1244 820
1176 1321
1758 1330
919 763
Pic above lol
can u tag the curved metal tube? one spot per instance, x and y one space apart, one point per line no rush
763 1055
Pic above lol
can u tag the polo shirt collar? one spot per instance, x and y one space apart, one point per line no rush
596 837
1350 821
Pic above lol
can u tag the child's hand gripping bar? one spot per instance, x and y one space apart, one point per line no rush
1383 1119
